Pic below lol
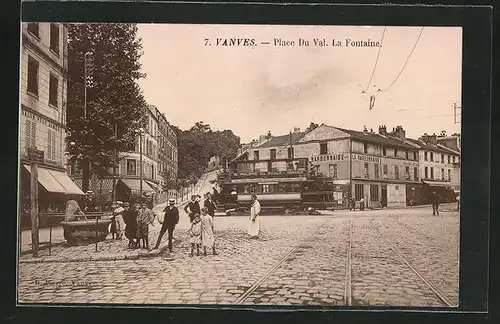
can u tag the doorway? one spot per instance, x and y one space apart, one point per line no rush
383 198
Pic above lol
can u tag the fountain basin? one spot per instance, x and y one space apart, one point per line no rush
85 231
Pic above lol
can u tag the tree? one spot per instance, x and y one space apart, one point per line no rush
311 127
108 55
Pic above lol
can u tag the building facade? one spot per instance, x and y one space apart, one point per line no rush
380 169
44 66
158 153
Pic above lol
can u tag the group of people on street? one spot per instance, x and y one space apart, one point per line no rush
133 222
202 229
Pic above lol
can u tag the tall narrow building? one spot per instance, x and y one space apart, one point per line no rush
44 66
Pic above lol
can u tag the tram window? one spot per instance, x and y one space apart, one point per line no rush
246 189
281 188
265 188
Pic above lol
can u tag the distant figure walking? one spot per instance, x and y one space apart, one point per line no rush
254 220
362 204
195 234
120 225
207 231
435 203
170 219
192 208
210 204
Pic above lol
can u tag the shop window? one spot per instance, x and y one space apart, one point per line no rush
333 171
54 38
273 154
33 76
33 29
373 192
323 148
396 172
358 192
377 175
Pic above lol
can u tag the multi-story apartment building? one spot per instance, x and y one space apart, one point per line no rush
167 150
158 153
381 169
439 166
44 66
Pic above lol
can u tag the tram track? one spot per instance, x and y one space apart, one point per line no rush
437 292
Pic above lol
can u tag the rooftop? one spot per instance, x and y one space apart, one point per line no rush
278 141
376 138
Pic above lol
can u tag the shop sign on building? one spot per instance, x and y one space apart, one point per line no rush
35 155
365 158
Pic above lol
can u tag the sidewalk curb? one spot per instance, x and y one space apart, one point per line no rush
139 255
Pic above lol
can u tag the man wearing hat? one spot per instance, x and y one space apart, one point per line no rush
193 207
120 225
170 219
130 219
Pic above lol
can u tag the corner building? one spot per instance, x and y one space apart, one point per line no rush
43 98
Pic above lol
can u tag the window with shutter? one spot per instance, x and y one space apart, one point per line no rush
49 145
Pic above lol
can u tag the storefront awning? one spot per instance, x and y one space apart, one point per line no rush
66 182
436 183
153 185
340 182
135 185
47 180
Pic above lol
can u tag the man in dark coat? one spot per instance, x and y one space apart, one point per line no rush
210 204
435 203
130 219
170 219
192 208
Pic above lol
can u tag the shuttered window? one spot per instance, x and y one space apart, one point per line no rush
30 134
51 145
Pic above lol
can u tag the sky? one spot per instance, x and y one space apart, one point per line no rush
255 89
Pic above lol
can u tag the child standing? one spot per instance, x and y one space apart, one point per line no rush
195 234
207 231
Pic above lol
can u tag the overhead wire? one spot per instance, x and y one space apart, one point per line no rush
406 62
376 60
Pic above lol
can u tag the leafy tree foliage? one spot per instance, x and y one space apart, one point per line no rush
105 57
311 127
198 144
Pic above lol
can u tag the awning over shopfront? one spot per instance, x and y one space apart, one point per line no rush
436 183
135 185
56 181
340 182
153 185
66 182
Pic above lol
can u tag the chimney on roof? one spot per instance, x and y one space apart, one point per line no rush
400 132
382 130
262 138
429 139
365 130
296 130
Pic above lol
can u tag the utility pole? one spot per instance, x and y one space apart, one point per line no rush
35 157
140 163
455 108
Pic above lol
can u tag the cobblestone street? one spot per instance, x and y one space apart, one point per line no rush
401 257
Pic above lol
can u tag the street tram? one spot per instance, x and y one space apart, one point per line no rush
281 185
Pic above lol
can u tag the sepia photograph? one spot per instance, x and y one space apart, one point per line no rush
253 165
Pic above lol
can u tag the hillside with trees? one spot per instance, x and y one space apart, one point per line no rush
198 144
